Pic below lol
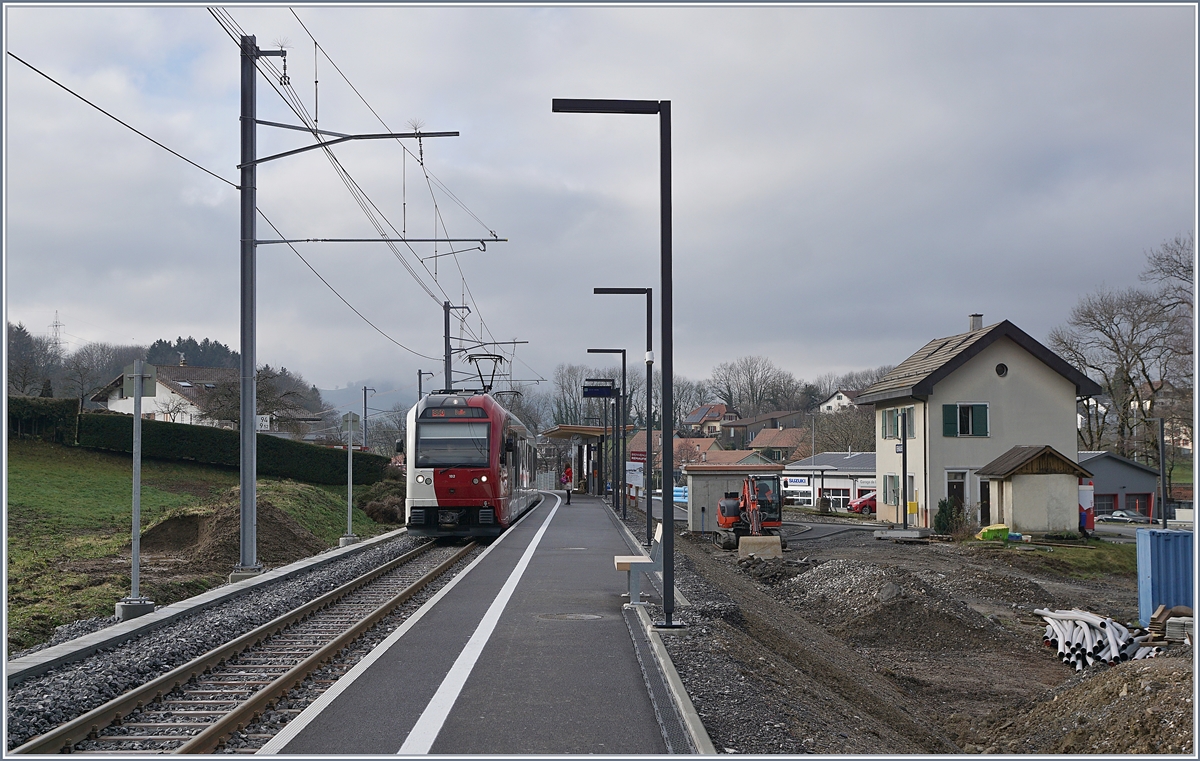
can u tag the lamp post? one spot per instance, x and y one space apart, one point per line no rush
622 416
648 468
663 109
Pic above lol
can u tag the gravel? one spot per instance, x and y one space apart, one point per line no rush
45 701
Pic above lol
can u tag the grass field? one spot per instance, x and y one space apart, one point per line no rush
68 505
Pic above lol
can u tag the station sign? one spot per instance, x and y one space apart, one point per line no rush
598 391
637 456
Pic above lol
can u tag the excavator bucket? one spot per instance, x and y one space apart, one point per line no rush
760 546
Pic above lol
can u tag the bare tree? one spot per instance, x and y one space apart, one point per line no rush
31 360
86 369
173 408
850 429
747 384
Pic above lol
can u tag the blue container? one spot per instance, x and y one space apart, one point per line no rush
681 494
1164 569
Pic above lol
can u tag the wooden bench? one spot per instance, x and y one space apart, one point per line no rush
636 565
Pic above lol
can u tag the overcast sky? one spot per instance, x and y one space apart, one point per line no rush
848 182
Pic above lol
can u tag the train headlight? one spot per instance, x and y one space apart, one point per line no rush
483 478
474 480
420 479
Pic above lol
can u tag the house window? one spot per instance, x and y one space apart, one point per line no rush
828 407
891 489
839 397
838 498
891 423
964 419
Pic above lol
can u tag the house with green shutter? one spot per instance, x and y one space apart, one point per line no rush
969 398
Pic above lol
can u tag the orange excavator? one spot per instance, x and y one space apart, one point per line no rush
756 511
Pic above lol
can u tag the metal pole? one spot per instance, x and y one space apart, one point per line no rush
603 454
364 419
248 560
648 468
446 312
419 374
624 444
135 573
1162 467
349 477
904 466
664 136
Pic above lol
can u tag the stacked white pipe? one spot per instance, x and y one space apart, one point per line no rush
1084 638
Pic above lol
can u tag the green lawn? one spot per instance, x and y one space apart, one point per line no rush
69 519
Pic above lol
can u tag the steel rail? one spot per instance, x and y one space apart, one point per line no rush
63 737
215 735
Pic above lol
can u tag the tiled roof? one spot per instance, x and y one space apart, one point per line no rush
749 421
1085 456
1012 461
916 376
733 457
783 438
705 412
189 381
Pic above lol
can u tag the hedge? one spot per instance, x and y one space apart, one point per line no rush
218 446
42 417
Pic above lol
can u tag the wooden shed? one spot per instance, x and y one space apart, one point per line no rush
1035 489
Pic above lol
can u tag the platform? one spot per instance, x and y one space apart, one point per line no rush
529 650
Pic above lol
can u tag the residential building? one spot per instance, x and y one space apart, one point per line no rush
969 398
1033 489
735 434
781 444
180 396
838 400
706 419
840 476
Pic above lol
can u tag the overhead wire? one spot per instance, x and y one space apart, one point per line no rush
430 179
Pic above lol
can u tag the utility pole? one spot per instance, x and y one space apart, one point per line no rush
364 420
1162 467
349 425
248 564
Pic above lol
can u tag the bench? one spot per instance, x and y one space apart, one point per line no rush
636 565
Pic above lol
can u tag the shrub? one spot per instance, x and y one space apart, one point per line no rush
949 517
387 510
217 446
51 419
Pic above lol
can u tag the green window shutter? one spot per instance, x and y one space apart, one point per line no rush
949 419
979 419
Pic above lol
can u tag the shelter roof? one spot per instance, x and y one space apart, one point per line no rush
1035 459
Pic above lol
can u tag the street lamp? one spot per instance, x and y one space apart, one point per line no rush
663 109
622 415
649 466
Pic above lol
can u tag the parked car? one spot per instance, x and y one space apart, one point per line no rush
1123 516
864 504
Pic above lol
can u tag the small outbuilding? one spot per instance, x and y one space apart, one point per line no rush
708 483
1035 489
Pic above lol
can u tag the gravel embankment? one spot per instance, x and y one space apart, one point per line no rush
43 702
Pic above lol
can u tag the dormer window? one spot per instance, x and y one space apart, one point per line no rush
185 384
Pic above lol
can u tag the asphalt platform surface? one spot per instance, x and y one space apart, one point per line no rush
527 651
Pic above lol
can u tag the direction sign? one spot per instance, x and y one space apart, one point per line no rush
262 422
149 379
350 422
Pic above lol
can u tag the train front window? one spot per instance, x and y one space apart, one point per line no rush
458 443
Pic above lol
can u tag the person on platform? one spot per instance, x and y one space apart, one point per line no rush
568 480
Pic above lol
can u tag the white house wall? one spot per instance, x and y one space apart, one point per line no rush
1044 503
1031 404
158 404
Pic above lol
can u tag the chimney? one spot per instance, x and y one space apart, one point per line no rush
976 322
182 360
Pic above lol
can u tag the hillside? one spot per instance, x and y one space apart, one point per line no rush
69 522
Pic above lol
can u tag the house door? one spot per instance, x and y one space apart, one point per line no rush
956 488
985 502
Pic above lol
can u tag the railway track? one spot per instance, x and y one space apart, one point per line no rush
194 708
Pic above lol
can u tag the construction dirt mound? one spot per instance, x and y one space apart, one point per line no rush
209 542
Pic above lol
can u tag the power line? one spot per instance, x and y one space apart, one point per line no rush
124 124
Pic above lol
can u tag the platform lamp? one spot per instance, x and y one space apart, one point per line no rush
649 466
663 109
622 416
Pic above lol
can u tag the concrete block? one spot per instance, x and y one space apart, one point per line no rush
127 609
346 541
243 574
760 546
900 533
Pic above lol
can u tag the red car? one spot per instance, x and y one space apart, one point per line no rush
864 504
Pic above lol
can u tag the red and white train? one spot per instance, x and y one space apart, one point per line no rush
471 466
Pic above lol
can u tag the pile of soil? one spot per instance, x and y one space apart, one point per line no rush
854 645
210 542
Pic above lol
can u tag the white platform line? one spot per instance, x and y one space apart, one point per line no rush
426 730
314 709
